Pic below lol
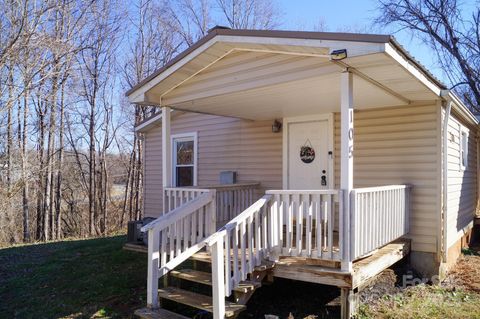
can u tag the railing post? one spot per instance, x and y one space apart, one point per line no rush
213 212
218 284
153 268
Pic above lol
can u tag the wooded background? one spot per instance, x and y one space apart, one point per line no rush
70 163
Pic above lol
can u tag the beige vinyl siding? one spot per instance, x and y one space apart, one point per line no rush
247 147
391 146
399 146
462 184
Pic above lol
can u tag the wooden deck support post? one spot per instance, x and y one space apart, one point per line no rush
349 302
166 153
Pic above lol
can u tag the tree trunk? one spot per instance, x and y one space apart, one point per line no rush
25 191
47 207
41 167
91 170
58 192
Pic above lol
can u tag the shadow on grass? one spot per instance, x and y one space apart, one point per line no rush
72 279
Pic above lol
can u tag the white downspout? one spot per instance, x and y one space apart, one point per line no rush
445 180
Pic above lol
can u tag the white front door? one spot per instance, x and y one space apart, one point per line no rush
309 153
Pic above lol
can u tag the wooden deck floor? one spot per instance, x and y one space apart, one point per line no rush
309 270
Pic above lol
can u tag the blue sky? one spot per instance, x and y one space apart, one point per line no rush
349 16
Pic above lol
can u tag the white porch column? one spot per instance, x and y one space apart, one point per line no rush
166 154
166 148
346 167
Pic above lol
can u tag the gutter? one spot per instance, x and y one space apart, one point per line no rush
460 107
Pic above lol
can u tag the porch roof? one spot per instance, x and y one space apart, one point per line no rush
269 74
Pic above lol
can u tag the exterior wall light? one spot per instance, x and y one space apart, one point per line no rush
337 55
276 126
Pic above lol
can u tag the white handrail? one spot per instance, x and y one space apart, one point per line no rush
380 188
179 212
302 192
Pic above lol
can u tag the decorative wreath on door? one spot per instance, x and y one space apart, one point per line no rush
307 153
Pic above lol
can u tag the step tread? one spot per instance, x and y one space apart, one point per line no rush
197 300
206 279
147 313
204 256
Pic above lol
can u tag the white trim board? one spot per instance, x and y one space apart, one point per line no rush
194 136
331 145
153 119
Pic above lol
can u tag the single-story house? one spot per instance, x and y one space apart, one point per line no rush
322 157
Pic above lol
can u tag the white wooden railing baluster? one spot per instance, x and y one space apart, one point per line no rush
288 205
243 252
318 224
258 236
280 213
236 274
251 262
308 230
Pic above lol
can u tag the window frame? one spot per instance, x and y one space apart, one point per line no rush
463 148
184 137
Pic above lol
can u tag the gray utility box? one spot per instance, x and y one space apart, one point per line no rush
228 177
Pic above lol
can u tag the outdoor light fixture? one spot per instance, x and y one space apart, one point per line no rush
338 55
276 126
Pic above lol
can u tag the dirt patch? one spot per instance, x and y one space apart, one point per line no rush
465 274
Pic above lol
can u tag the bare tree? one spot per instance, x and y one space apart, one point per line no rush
250 14
453 34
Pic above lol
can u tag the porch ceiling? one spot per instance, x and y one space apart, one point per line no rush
293 86
265 78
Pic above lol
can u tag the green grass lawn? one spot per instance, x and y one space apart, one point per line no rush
425 302
96 278
91 278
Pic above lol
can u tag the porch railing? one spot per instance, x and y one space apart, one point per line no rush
177 196
231 199
244 243
379 216
309 222
174 237
234 199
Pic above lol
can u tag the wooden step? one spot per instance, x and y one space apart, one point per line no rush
198 301
147 313
206 279
204 256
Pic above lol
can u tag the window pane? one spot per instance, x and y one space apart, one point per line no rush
185 153
184 176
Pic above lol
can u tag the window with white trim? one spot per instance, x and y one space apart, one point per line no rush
184 151
463 148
